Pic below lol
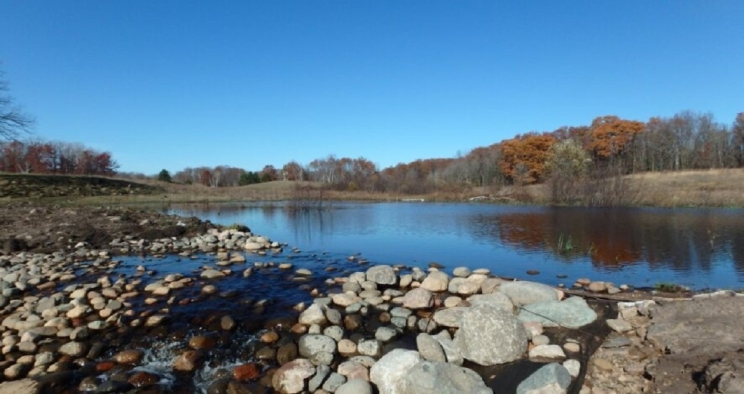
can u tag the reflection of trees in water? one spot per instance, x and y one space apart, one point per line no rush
307 224
684 240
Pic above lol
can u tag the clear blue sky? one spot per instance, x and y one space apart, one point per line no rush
173 84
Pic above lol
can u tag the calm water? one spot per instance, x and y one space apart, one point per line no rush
699 248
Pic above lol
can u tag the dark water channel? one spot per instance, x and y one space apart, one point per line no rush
642 247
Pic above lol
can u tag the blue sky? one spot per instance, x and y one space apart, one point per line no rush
175 84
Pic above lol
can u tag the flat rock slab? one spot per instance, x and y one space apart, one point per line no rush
697 335
700 326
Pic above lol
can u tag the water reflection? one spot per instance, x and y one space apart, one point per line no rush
697 247
684 240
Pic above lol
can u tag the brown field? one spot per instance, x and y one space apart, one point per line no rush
714 188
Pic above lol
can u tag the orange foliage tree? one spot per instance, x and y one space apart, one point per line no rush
523 158
610 136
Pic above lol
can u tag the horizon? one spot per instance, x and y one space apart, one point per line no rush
170 85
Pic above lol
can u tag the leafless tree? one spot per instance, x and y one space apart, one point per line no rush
13 121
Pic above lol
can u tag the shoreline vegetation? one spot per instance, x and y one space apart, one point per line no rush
693 188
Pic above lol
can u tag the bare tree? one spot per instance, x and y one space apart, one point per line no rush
13 121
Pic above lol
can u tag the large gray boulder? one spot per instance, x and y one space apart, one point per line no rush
429 377
489 335
572 312
525 293
382 275
389 372
552 378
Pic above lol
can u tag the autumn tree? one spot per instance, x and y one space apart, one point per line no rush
293 171
523 158
610 137
13 121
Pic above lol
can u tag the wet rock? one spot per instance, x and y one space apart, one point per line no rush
130 356
188 361
428 377
246 372
389 372
489 335
227 323
290 377
551 378
202 342
142 379
286 353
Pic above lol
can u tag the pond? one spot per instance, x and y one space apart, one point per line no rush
641 247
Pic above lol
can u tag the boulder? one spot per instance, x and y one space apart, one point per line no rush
290 378
418 298
382 275
496 299
312 346
428 377
489 335
436 281
572 312
553 378
525 293
389 372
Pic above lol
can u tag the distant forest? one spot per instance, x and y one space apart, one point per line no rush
609 146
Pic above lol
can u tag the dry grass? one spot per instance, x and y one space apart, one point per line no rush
714 188
711 188
717 188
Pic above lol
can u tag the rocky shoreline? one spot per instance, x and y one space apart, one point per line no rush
71 325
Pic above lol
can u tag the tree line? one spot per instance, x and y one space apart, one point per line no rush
607 147
39 157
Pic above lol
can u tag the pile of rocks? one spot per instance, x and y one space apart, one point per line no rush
471 316
387 329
